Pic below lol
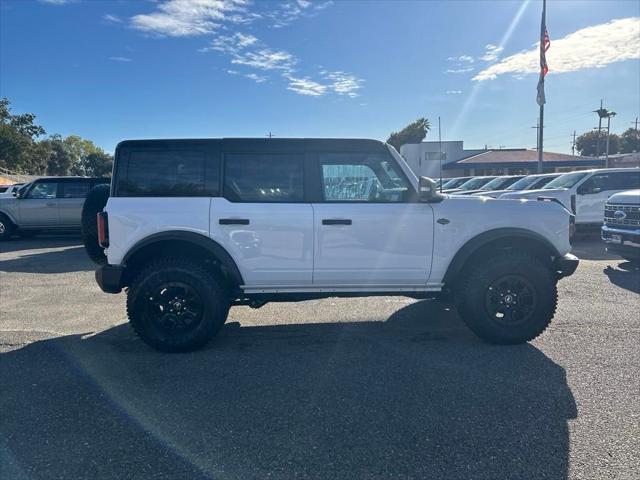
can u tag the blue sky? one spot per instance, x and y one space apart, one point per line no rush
112 70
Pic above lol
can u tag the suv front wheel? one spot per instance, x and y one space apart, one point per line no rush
508 299
174 305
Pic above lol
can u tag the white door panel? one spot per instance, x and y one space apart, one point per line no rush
590 207
385 244
272 243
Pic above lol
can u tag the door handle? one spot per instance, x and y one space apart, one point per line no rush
336 221
233 221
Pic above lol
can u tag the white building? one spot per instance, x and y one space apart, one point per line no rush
424 158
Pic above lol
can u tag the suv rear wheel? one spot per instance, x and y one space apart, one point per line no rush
507 299
174 305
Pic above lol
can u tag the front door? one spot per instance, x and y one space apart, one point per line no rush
39 207
594 192
263 221
367 231
71 200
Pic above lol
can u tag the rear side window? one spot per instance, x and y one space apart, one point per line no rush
624 180
263 177
168 173
74 189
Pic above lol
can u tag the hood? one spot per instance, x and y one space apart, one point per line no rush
540 192
464 192
630 197
491 193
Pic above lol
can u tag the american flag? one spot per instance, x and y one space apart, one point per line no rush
545 43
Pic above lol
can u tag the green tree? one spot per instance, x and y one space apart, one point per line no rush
415 132
79 149
99 164
18 135
587 143
60 161
630 141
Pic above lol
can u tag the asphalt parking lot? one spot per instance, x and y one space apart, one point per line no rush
343 388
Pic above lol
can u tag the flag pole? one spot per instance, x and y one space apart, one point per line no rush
541 139
544 46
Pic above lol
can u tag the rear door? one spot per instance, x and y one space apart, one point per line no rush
71 195
369 230
263 219
39 207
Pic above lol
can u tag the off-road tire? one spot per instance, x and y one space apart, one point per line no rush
479 288
146 318
6 227
94 203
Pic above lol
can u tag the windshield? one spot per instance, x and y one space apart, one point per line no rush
455 182
523 183
499 183
567 180
475 183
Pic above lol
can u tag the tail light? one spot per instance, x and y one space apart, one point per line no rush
103 229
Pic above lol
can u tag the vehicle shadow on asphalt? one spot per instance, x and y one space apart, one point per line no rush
591 248
40 241
72 259
624 276
416 396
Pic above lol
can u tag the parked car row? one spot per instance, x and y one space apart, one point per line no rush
584 193
48 203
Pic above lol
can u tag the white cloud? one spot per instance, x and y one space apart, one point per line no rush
491 53
459 70
120 59
256 78
306 86
111 18
461 59
265 59
454 92
182 18
56 2
343 83
590 47
179 18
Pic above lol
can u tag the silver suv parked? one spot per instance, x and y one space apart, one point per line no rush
49 203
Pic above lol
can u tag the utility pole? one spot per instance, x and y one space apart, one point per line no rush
270 135
440 151
573 145
537 127
636 124
609 115
600 112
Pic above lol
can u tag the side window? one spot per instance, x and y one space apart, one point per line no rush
75 189
624 180
168 173
361 177
263 177
595 184
43 190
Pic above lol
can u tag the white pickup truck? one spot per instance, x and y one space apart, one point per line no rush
193 227
585 192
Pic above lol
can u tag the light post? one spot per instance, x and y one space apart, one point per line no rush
609 115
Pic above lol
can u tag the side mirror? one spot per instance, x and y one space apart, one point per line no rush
428 191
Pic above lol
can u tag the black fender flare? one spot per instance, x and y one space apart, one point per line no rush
485 238
216 250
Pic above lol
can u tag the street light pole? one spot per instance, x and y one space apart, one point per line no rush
609 115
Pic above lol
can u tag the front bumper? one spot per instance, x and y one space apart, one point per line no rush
620 241
566 265
109 278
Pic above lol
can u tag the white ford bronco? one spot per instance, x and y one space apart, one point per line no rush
193 227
